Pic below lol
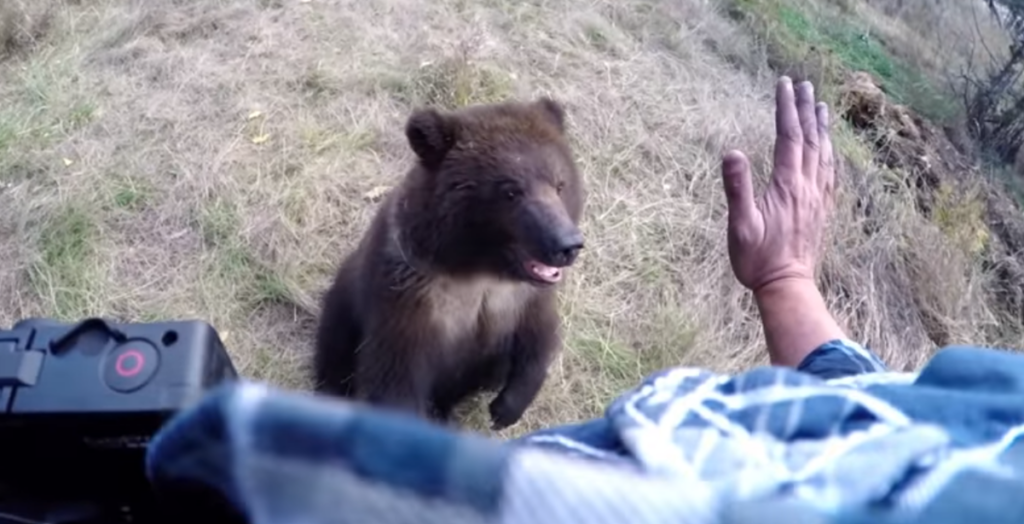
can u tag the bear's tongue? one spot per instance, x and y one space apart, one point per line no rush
545 273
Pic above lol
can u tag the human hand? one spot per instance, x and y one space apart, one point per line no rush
777 237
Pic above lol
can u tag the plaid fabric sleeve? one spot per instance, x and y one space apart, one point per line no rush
841 358
676 448
274 457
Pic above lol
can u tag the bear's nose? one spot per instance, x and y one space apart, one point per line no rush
567 249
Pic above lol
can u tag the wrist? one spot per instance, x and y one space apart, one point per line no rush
786 289
796 319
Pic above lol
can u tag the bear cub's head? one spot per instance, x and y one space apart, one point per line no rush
498 190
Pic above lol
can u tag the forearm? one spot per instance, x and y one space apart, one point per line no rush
796 320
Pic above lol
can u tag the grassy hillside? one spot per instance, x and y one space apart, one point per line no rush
214 159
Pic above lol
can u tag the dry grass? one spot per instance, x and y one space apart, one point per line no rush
938 36
22 23
212 159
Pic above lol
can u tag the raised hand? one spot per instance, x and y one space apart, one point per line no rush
778 235
775 239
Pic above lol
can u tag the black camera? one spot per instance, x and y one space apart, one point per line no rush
80 402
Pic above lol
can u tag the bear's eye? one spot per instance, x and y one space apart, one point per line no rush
560 186
513 193
460 186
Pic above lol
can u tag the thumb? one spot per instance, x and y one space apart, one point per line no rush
739 189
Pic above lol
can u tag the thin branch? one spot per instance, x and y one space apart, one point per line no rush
977 30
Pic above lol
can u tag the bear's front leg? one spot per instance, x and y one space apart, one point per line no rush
536 341
395 371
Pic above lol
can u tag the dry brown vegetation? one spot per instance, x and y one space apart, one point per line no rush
938 36
214 159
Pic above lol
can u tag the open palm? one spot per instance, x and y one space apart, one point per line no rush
778 235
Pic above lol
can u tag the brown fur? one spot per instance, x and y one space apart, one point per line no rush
435 303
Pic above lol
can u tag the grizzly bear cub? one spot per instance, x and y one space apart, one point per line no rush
452 290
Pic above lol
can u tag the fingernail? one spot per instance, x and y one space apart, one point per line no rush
733 161
785 80
822 112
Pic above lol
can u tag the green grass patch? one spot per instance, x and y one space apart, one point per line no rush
45 102
821 45
8 131
318 140
233 266
48 98
614 366
449 83
63 273
270 364
316 84
128 193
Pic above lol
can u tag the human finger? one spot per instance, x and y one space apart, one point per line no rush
739 190
807 114
826 159
788 135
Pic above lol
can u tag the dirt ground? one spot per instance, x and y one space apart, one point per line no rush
215 159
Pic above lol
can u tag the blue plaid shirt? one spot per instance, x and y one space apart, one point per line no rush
838 440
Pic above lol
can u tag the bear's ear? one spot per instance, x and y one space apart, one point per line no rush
431 135
553 111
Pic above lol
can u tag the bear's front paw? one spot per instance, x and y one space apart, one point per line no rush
505 412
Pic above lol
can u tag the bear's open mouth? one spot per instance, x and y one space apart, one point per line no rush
543 272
